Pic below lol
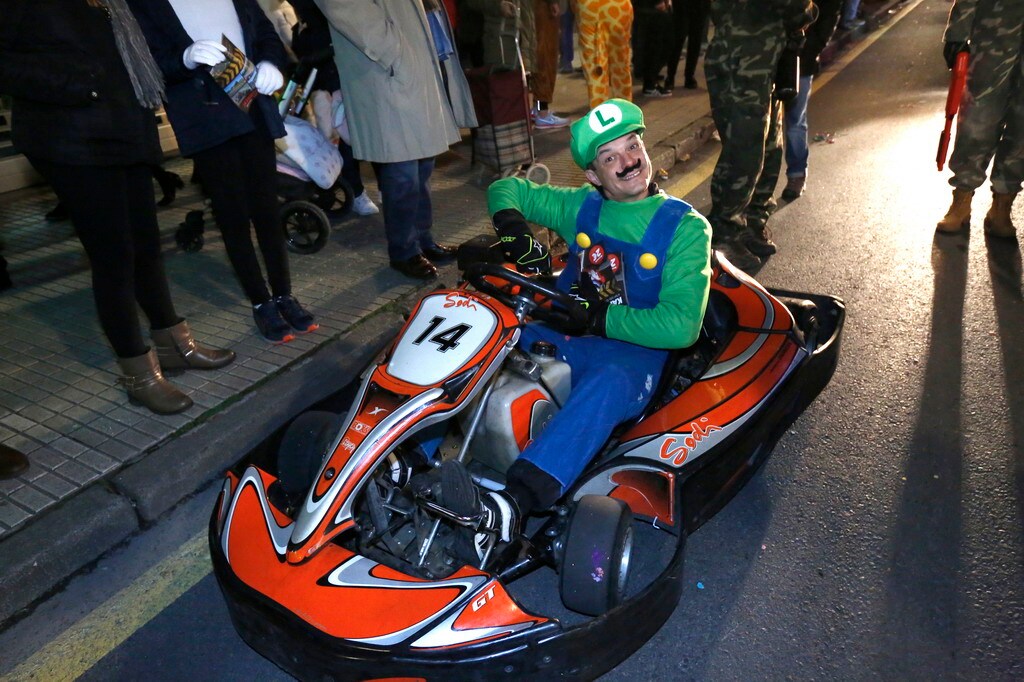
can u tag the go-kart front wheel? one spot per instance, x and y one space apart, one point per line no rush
303 449
306 227
595 565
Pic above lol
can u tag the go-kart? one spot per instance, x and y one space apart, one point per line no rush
336 566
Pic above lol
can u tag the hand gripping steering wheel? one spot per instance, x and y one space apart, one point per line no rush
566 315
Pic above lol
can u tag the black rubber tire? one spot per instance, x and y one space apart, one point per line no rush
595 564
336 201
303 449
306 227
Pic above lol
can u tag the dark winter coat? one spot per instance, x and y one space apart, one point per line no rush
818 34
202 115
73 101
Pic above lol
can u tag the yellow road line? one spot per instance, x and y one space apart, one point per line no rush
81 646
692 178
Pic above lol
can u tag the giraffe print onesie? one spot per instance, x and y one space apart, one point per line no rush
604 28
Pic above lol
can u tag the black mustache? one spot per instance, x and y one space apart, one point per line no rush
634 167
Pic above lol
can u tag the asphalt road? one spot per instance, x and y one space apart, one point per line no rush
884 539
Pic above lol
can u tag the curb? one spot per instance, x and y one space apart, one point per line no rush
681 144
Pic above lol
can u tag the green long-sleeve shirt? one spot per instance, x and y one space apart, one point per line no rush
675 321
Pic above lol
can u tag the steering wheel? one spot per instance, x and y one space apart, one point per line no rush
566 316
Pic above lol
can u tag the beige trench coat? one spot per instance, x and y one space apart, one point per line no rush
392 83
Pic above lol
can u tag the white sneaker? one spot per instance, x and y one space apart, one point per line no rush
501 515
500 522
363 205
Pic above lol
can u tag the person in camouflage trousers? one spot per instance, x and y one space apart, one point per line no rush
991 118
740 67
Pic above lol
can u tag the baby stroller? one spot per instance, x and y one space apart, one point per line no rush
310 186
504 139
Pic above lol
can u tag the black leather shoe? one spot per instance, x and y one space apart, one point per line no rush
439 253
417 267
169 183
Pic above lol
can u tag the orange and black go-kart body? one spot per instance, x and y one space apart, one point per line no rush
302 592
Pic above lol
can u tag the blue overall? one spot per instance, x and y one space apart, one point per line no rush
612 380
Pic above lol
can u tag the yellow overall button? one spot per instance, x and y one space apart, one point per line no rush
582 240
648 261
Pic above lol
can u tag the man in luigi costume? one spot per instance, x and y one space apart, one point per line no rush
639 261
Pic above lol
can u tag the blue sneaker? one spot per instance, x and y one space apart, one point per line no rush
271 324
300 319
549 121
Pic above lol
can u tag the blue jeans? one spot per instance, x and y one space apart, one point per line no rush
612 381
405 198
850 8
796 130
565 40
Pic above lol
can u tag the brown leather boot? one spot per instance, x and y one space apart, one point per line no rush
998 222
147 386
959 214
177 350
12 462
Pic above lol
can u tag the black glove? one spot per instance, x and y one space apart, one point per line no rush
800 20
952 48
795 40
586 294
529 255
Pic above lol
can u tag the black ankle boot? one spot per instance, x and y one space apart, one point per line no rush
169 183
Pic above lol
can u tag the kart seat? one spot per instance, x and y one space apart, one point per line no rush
686 365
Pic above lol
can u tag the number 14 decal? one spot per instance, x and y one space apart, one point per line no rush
445 340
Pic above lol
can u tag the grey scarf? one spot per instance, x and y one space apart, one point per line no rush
138 61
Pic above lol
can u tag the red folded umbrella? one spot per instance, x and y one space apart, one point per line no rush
956 92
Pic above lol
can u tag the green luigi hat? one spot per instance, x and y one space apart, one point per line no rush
605 122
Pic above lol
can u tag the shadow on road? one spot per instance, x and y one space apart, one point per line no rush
922 591
1004 264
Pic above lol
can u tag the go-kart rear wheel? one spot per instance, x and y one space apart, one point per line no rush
595 564
303 449
306 227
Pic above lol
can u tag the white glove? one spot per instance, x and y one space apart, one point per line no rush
268 79
208 52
